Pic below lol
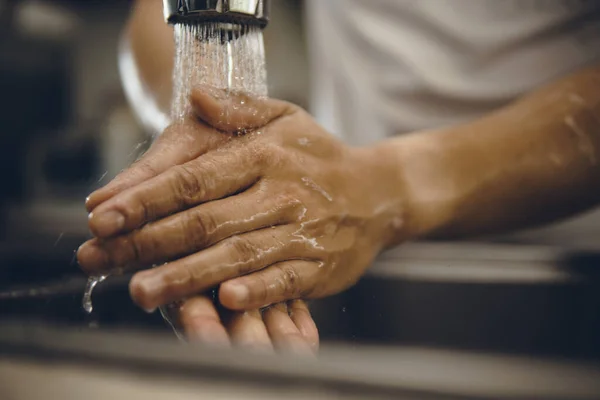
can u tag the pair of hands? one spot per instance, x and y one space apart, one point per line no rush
286 327
281 213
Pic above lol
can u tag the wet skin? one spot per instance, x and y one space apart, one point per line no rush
275 214
528 163
286 211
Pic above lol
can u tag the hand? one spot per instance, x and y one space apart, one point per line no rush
283 212
284 327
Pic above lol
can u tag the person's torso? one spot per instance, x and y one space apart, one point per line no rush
383 67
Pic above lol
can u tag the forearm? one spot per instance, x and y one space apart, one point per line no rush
530 163
152 47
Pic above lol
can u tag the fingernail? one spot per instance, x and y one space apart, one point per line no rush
240 293
87 200
107 224
91 202
149 310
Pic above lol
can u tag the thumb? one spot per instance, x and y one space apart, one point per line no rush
236 112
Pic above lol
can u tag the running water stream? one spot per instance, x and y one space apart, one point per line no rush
229 58
222 56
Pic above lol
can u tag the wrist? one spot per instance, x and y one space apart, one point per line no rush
424 182
393 218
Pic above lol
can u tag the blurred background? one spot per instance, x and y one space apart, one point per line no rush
66 129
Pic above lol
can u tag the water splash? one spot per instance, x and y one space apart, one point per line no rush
102 177
92 282
317 188
228 58
212 54
169 315
59 239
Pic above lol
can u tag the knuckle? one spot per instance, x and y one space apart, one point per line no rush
144 209
134 248
188 184
245 253
268 155
143 168
199 228
136 209
290 201
117 252
142 246
178 283
289 280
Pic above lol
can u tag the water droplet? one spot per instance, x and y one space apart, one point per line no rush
87 294
210 54
102 177
305 142
214 56
74 258
59 238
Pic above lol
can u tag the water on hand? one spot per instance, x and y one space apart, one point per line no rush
228 59
92 282
232 61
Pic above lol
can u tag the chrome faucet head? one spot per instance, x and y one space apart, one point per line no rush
246 12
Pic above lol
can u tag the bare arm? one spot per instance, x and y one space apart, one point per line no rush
527 164
152 46
530 163
294 213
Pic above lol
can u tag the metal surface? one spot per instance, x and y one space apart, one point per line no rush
250 12
352 373
532 301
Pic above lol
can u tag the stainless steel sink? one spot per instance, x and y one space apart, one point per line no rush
40 362
528 300
501 298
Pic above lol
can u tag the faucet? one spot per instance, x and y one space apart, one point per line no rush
237 12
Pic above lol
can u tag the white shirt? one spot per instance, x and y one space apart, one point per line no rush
383 67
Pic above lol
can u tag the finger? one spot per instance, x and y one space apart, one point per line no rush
236 112
283 281
231 258
201 323
248 330
213 176
283 331
300 314
188 232
178 144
